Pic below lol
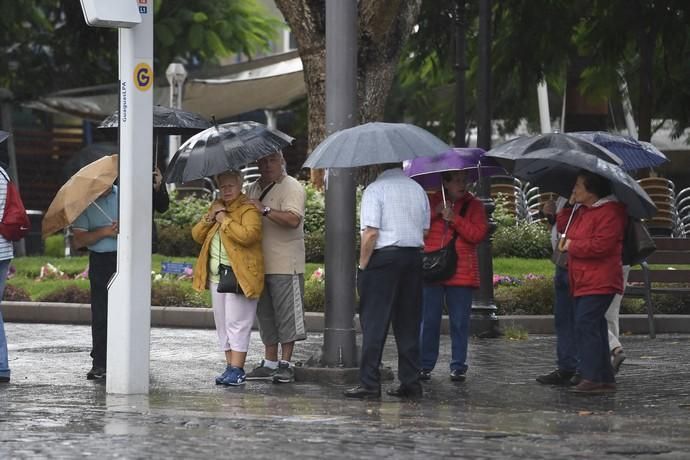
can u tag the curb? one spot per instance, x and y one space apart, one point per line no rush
202 318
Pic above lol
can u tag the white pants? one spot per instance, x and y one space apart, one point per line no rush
613 312
234 317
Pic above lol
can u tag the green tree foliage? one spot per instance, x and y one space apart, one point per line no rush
47 46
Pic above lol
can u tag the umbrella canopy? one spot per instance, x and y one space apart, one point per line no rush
78 193
223 148
557 172
549 143
87 155
3 136
427 170
374 143
166 121
635 154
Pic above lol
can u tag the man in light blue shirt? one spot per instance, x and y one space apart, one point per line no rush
394 216
96 228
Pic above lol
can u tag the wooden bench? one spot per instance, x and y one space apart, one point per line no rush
670 251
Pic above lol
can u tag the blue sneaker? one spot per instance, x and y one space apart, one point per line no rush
221 377
235 378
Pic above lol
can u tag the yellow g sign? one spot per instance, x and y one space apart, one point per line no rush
143 76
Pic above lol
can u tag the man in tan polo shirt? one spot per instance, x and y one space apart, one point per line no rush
281 200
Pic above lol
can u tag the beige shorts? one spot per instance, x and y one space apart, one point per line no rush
281 309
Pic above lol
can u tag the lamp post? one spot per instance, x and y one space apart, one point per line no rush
176 75
485 322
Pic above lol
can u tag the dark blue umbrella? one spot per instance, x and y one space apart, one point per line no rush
635 154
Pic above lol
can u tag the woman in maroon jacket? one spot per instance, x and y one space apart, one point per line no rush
594 243
464 215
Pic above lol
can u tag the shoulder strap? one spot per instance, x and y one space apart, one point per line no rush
266 190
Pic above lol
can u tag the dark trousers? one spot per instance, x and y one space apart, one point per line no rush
391 290
102 266
564 322
593 337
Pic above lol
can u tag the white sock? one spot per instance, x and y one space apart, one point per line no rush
270 364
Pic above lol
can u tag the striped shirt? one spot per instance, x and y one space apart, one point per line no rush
6 247
398 207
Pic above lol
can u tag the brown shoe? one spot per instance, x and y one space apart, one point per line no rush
589 387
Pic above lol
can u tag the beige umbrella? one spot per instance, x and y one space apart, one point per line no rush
82 189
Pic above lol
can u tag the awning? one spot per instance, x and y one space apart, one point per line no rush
266 83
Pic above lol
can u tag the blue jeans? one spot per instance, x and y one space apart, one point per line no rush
459 301
593 337
4 360
564 322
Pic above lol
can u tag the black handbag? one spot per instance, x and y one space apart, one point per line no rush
441 264
638 244
227 281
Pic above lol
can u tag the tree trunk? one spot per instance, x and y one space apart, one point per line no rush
383 29
647 42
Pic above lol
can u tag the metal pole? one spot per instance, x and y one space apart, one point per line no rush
176 75
543 100
460 68
129 292
483 308
339 347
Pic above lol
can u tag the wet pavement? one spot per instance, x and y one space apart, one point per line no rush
50 410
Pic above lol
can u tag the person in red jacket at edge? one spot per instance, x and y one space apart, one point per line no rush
594 244
463 214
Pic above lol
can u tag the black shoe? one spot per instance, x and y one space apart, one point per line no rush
456 375
410 392
557 377
576 379
425 374
4 379
361 392
96 373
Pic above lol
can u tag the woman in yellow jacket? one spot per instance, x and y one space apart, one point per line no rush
230 234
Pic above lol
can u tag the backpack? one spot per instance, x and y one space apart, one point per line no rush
638 244
15 223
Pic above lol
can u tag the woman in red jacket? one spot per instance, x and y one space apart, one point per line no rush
594 243
464 215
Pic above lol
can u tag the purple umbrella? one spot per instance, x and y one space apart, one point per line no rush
427 170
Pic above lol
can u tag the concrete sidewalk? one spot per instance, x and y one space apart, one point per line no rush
49 410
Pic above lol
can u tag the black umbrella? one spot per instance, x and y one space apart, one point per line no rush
223 148
550 143
87 155
166 121
557 172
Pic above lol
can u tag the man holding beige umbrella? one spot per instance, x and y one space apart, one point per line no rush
89 202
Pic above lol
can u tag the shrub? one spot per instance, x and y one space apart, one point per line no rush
182 211
532 297
68 294
315 212
314 295
314 246
502 214
176 294
531 241
176 241
16 293
54 246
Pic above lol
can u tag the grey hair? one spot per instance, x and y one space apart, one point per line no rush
231 173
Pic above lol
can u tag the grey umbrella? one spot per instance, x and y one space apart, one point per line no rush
3 136
166 121
223 148
557 172
374 143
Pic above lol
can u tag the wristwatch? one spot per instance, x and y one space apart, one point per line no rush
266 211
